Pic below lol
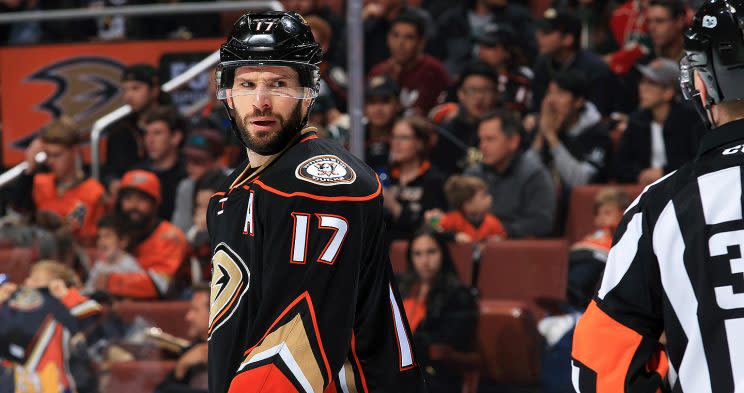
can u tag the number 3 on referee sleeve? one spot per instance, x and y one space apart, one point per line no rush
719 244
301 233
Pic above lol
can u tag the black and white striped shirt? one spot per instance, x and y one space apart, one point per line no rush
676 267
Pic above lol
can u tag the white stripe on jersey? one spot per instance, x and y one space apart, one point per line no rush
669 247
635 201
735 338
717 192
621 256
406 354
575 372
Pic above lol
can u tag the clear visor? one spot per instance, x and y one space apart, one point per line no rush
298 93
686 79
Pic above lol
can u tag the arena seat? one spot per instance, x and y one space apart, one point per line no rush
532 271
137 376
508 342
398 256
167 315
16 262
580 220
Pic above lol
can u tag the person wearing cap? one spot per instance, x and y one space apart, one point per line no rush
477 95
571 137
496 45
559 39
421 77
163 136
159 246
140 88
381 109
663 134
65 190
202 151
464 20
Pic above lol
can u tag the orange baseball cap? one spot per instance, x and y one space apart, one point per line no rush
143 181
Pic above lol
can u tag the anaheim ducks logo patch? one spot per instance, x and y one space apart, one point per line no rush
26 299
325 170
230 281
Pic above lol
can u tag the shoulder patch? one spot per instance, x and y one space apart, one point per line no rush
325 170
26 299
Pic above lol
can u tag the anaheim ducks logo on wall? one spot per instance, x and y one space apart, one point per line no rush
325 170
230 281
86 88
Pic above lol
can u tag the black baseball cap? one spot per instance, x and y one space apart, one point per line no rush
381 86
560 20
494 34
573 82
140 72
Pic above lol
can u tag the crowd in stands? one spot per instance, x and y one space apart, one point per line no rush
480 118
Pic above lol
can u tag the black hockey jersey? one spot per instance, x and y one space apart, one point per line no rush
303 297
675 267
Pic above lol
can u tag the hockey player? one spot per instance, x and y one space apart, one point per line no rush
303 297
676 262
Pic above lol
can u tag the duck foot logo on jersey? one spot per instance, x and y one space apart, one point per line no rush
326 170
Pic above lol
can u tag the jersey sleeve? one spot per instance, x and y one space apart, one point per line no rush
329 316
159 259
616 342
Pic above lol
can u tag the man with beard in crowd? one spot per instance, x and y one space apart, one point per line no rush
158 245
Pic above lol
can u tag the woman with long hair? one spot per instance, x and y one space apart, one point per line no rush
442 312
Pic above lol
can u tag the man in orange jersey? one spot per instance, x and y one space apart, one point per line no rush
158 245
65 190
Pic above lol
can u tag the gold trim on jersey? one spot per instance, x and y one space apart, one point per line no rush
239 181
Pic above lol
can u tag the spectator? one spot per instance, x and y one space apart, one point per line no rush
163 137
158 245
497 46
471 221
663 134
588 256
335 52
523 194
381 110
378 16
667 20
111 254
457 26
202 151
441 311
415 186
66 192
421 77
570 135
193 361
630 31
558 39
197 235
333 77
141 91
476 93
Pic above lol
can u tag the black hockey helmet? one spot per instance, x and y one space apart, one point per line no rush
270 38
714 48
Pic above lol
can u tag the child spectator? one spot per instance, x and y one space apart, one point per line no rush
471 220
588 256
111 256
197 235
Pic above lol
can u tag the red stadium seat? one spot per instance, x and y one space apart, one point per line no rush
16 262
399 256
508 342
580 220
167 315
532 271
137 376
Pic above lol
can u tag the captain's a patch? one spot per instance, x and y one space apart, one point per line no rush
325 170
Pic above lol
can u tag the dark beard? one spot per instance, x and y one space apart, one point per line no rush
288 128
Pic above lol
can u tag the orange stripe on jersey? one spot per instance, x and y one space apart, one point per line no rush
309 138
605 346
358 363
266 378
320 197
305 296
226 309
217 194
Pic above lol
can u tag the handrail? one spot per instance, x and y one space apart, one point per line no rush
138 10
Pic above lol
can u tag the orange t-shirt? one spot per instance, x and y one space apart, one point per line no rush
160 256
600 240
415 311
491 226
82 206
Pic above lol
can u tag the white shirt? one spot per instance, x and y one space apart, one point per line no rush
658 150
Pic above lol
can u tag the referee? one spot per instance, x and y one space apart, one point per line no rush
676 265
